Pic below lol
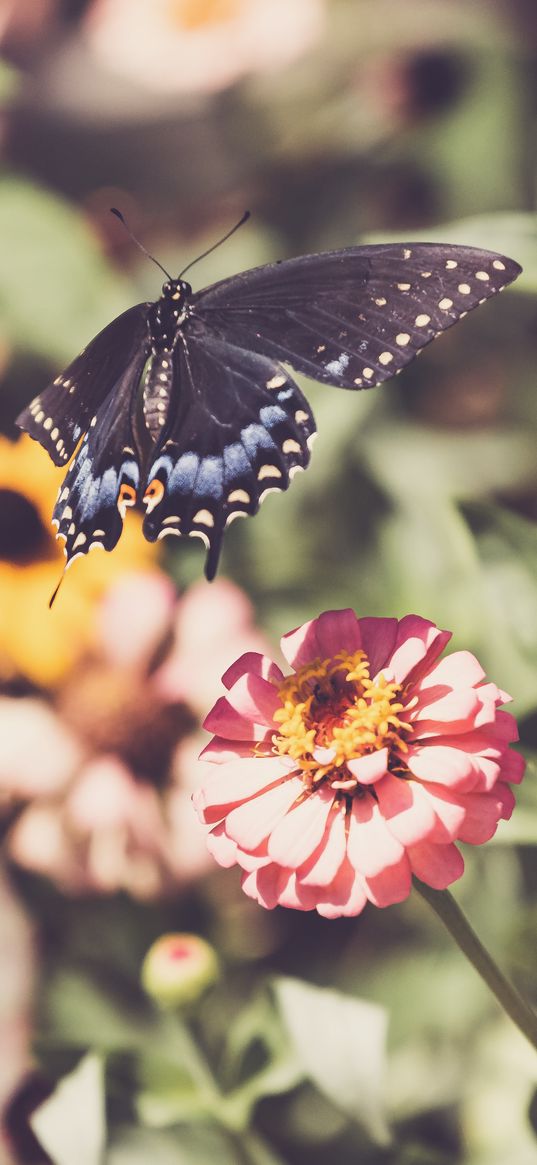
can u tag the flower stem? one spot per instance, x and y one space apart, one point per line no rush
459 928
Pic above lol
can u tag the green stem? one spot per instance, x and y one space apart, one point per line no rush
252 1146
459 928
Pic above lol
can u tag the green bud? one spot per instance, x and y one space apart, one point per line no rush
178 968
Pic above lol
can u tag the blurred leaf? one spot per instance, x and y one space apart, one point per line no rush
80 1014
257 1034
10 83
197 1145
71 1124
177 1082
56 288
507 546
430 557
410 460
340 1042
173 1103
532 1111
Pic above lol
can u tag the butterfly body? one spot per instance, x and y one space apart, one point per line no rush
186 405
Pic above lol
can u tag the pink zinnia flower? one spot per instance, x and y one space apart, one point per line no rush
337 783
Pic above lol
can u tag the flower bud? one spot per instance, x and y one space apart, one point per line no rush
178 968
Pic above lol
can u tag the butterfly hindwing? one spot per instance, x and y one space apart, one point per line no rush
354 317
238 429
60 415
103 479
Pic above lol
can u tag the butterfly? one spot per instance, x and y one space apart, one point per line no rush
187 406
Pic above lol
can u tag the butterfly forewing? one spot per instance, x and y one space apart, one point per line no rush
60 415
239 429
353 318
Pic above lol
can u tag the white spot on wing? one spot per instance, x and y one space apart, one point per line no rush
268 471
204 517
239 495
336 367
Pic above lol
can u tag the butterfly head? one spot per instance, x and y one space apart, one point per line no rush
176 292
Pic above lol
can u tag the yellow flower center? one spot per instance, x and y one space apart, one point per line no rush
193 14
332 712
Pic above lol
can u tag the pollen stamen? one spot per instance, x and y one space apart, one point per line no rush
333 712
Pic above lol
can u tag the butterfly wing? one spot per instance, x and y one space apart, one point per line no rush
61 414
103 479
238 429
354 317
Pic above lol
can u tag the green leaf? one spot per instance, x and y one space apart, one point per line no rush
56 288
507 547
79 1014
460 465
70 1125
340 1042
195 1145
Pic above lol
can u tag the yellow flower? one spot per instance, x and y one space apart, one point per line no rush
35 642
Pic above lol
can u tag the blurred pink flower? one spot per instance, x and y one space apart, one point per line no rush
102 773
193 46
335 784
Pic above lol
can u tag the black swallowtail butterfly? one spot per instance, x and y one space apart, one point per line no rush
219 421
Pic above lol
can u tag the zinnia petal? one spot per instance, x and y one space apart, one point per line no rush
254 698
483 812
299 833
371 847
378 641
417 642
324 864
370 768
437 865
232 784
458 670
345 898
252 663
224 720
253 821
409 815
322 638
390 885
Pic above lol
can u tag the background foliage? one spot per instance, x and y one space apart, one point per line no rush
395 120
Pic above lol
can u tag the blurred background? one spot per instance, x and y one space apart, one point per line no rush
335 122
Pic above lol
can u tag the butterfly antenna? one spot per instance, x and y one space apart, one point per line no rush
118 214
209 250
